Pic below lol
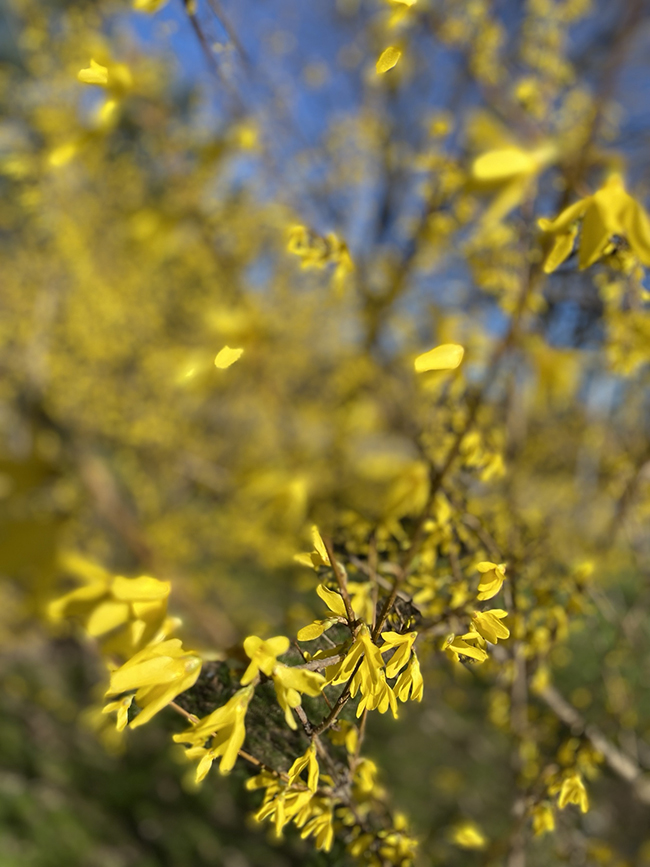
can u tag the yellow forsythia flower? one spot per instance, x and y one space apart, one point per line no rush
543 819
306 762
95 74
159 673
468 835
573 792
410 681
263 655
122 706
380 698
318 556
611 211
401 644
115 77
458 647
489 626
289 682
225 726
493 577
124 613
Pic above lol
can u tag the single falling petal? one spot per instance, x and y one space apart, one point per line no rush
388 59
445 357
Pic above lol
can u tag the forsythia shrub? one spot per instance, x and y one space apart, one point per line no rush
405 324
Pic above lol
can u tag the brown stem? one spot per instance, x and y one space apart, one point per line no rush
621 763
340 580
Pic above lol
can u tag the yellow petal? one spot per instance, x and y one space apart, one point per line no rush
504 163
142 589
566 218
315 629
94 74
388 59
562 248
107 616
637 231
319 545
150 6
445 357
226 357
593 239
159 670
332 600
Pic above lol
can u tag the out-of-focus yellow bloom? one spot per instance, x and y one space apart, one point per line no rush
122 706
512 163
489 626
445 357
388 58
149 6
116 77
225 726
316 251
493 577
543 819
609 214
95 74
263 655
573 792
468 835
123 613
345 735
159 673
506 166
226 357
320 825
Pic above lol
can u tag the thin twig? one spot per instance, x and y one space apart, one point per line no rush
340 580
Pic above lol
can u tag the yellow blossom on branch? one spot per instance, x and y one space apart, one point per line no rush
367 656
306 762
402 645
159 673
290 682
459 648
263 655
226 730
489 626
410 681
